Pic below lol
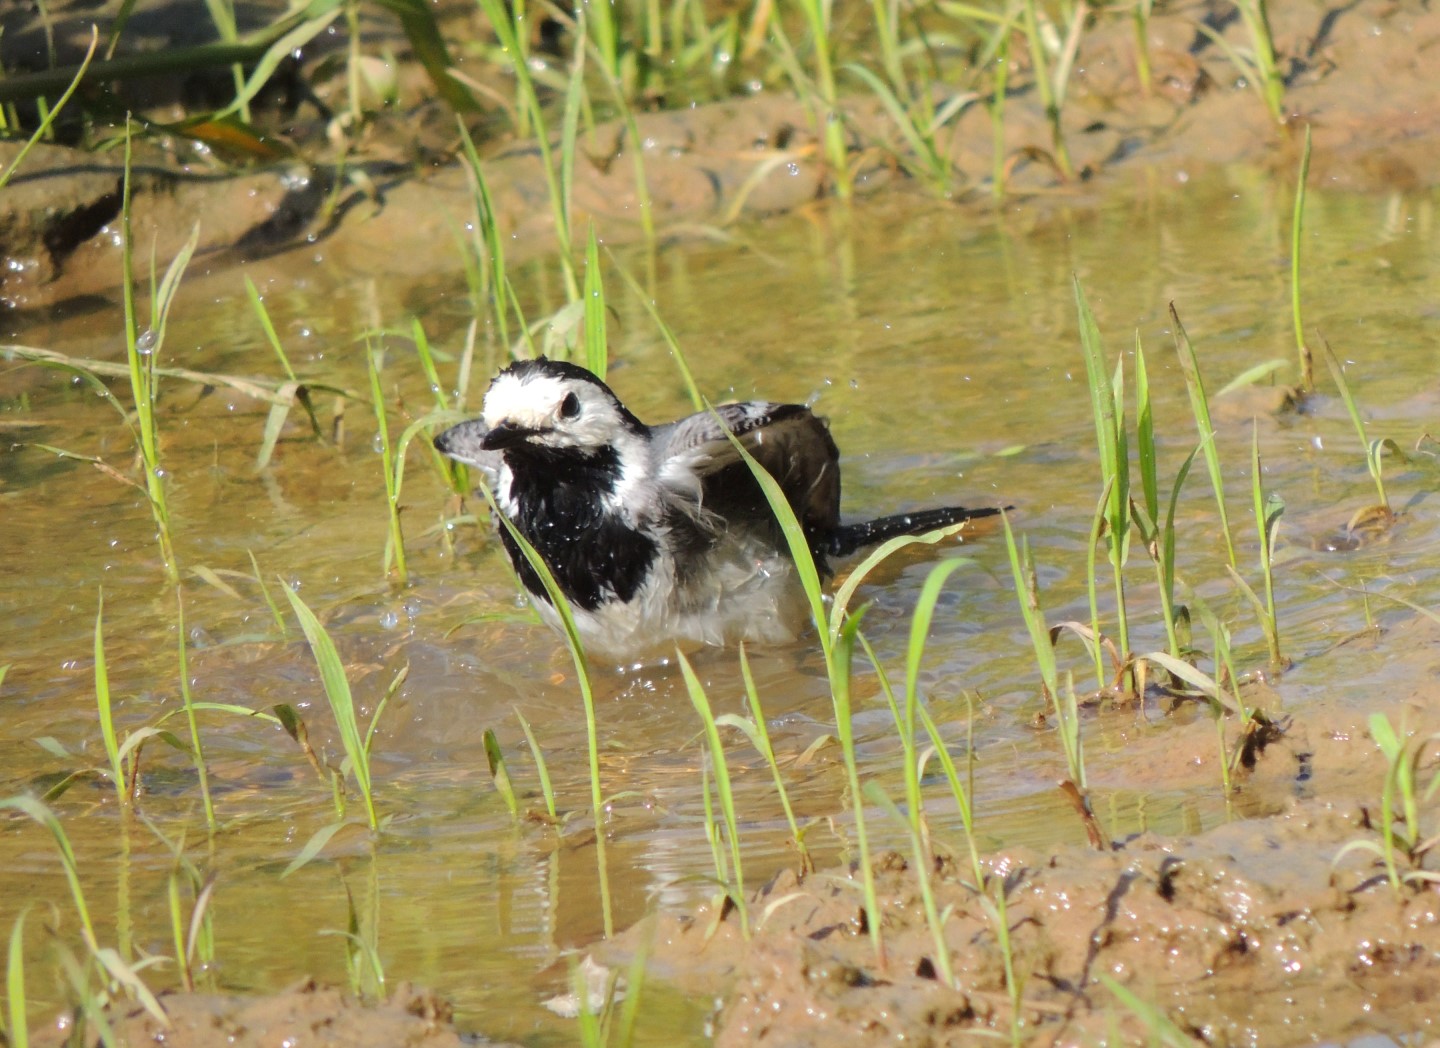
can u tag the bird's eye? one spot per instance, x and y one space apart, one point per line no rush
570 406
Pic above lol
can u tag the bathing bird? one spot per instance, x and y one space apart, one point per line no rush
658 535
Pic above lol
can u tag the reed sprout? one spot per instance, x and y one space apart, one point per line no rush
1297 225
1107 403
542 768
1200 408
1401 795
757 731
721 775
342 705
395 537
1374 449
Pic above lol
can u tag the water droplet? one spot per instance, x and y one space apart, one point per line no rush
389 620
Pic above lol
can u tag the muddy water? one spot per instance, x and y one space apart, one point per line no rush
942 345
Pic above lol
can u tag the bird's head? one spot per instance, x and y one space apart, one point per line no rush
555 407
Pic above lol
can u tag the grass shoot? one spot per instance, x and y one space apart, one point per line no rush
721 776
342 705
1381 514
1297 225
1200 408
581 661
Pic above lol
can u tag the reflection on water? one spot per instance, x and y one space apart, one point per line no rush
942 345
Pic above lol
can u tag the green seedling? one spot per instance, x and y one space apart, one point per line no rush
1140 20
529 115
715 837
1258 65
395 541
837 643
561 605
1400 799
17 1025
1027 592
43 129
1052 84
342 705
499 773
363 967
103 961
1107 406
542 769
1162 1031
818 92
1200 408
716 748
1381 514
905 722
758 732
1267 526
142 350
1297 224
1157 535
919 122
193 937
922 865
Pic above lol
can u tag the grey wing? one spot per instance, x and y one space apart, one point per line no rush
791 442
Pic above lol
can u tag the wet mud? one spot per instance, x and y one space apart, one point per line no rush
1357 76
1257 932
1265 930
308 1013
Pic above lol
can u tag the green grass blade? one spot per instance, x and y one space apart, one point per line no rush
18 1021
561 604
701 702
1200 408
45 817
542 769
337 692
669 336
1337 372
1297 223
104 708
759 732
845 592
1145 435
499 774
597 354
795 539
54 111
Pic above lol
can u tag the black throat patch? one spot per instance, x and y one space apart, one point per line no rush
560 509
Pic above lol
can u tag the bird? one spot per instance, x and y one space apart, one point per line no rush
660 536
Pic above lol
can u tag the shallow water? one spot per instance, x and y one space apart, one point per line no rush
942 345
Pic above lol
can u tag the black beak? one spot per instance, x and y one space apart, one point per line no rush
505 435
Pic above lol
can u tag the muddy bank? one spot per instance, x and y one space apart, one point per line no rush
1262 931
308 1013
1357 75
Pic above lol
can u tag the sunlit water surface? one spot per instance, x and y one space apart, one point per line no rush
941 343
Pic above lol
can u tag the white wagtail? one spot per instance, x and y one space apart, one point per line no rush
659 534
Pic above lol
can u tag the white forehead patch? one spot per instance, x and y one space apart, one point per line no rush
530 403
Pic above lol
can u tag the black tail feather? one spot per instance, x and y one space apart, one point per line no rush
848 538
